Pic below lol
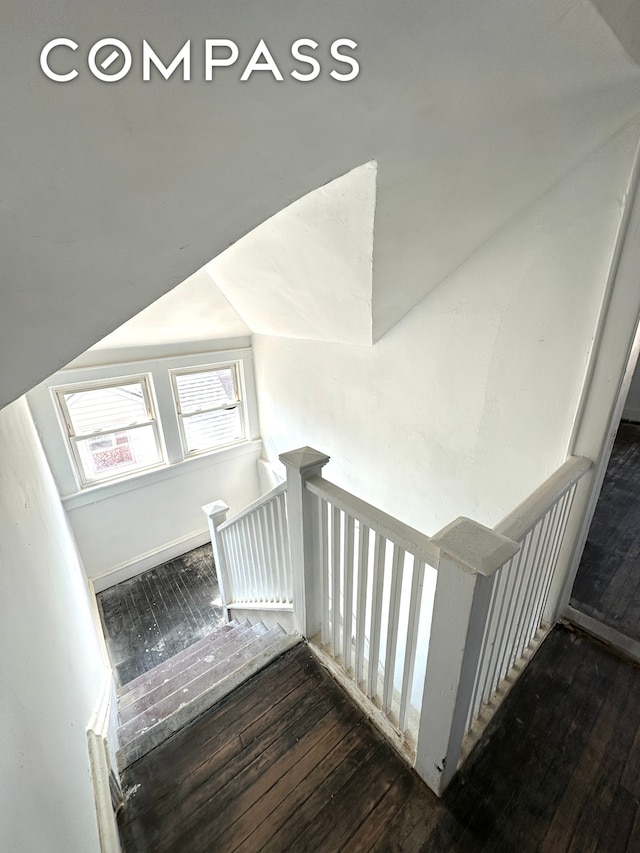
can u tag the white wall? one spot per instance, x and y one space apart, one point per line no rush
50 668
138 529
128 526
467 405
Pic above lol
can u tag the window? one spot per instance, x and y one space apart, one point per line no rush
106 425
209 408
111 428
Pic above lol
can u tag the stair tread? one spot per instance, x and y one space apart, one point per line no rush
214 644
141 679
221 669
141 741
184 672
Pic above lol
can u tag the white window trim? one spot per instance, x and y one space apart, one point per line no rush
239 404
72 439
48 419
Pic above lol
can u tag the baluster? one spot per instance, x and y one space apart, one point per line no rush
243 560
348 592
539 570
363 575
256 585
335 581
272 542
520 605
282 548
265 550
413 623
245 550
530 547
323 527
566 501
376 613
397 571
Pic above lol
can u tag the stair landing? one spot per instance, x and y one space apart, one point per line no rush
158 703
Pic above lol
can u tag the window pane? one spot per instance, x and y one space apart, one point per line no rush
206 389
212 429
106 408
116 453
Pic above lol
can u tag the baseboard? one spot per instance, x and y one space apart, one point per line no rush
620 643
104 776
150 560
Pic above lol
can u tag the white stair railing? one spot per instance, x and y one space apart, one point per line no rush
251 553
493 603
376 612
425 633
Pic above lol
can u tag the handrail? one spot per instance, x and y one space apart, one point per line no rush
411 540
263 499
524 517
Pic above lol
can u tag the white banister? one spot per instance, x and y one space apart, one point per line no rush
519 522
407 537
216 513
424 633
489 619
470 555
280 489
371 618
251 552
304 539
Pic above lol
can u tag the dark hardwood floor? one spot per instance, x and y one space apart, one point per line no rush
287 763
607 585
155 615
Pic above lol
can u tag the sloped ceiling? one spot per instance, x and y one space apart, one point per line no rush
307 271
193 311
112 194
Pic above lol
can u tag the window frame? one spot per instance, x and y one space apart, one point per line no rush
239 404
113 369
72 439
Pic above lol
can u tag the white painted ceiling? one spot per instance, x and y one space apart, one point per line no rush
194 311
112 194
279 276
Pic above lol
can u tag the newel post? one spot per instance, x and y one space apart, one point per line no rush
304 537
216 513
470 554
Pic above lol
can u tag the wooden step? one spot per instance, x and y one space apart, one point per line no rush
167 665
182 668
179 701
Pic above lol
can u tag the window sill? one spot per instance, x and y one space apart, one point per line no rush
103 491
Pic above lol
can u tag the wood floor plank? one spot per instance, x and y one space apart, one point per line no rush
158 613
286 790
607 586
355 801
232 801
296 823
413 824
237 766
374 825
222 736
556 767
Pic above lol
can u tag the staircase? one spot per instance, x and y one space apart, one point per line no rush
155 705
